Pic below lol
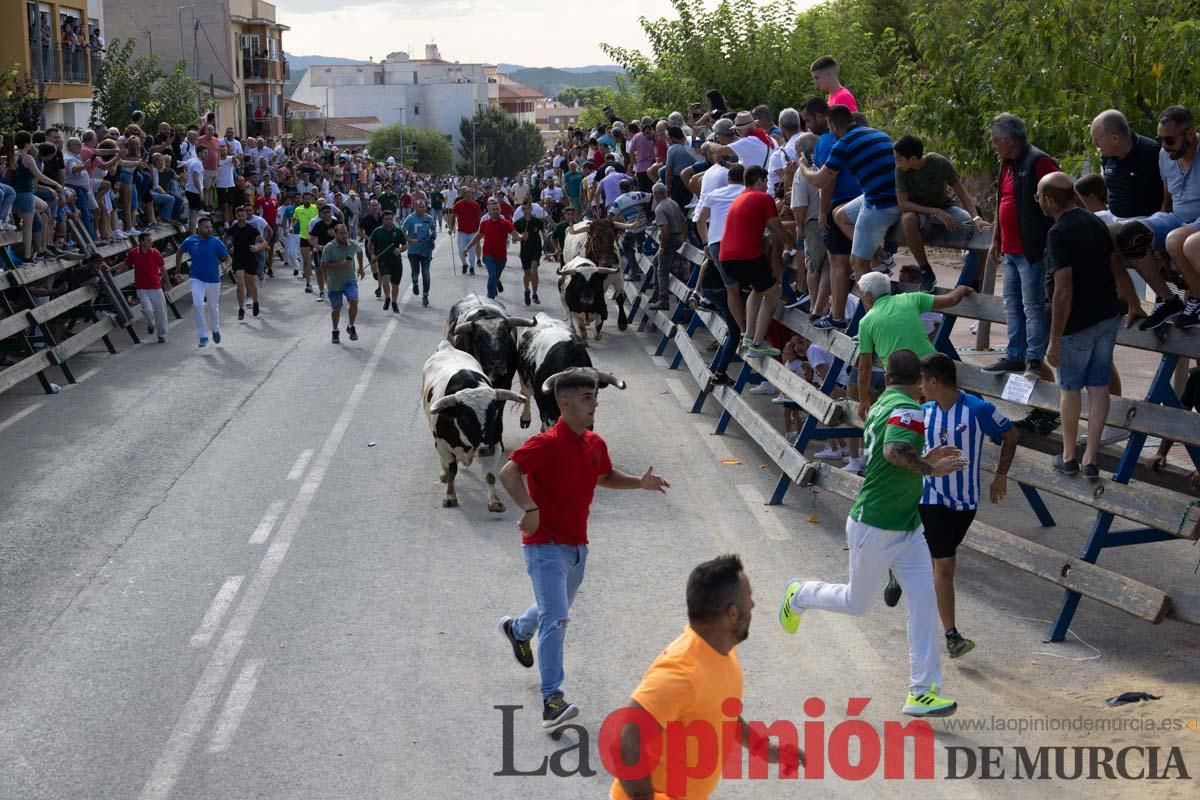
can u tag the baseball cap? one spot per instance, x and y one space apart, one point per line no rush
724 127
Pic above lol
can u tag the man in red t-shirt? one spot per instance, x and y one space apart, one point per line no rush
562 467
752 214
464 218
149 275
495 232
267 205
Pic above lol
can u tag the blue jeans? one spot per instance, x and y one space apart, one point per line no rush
556 570
8 196
420 267
85 216
1025 309
631 243
164 205
494 267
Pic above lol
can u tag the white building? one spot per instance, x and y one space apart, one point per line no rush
428 93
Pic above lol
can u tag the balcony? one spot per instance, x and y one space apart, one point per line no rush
264 68
52 63
259 123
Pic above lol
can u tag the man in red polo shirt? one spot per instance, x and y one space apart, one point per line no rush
752 214
464 218
495 231
149 275
563 467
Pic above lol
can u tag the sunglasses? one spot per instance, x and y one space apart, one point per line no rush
1169 141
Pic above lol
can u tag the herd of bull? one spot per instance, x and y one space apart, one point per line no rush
468 380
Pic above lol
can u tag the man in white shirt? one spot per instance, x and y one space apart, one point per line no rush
806 202
235 146
789 123
194 188
712 210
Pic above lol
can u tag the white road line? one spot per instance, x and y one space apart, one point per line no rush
767 520
199 706
20 415
216 611
267 523
235 705
714 443
681 394
299 466
87 375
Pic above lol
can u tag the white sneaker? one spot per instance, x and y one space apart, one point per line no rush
764 388
854 465
829 452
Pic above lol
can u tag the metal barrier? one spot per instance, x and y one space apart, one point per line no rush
1161 513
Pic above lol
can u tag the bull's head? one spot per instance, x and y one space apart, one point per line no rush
587 286
484 408
602 242
492 344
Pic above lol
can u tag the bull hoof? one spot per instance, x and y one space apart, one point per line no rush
496 507
442 477
598 337
449 502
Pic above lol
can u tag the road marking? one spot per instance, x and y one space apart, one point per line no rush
767 520
299 466
200 704
20 415
216 611
87 375
267 523
676 387
714 442
235 706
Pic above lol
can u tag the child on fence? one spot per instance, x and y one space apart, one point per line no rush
794 359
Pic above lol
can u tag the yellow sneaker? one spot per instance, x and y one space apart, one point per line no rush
789 618
929 704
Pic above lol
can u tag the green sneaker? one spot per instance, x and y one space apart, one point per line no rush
789 617
957 645
929 704
762 351
745 342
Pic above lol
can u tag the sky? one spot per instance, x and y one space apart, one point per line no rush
533 33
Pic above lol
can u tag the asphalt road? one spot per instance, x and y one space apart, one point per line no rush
227 574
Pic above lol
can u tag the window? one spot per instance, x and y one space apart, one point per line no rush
414 78
249 44
273 49
416 109
379 79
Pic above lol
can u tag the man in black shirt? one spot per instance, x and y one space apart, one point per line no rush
244 242
320 235
367 225
1082 278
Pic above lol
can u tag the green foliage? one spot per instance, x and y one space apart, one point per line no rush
127 83
433 152
296 129
503 146
939 69
20 104
586 95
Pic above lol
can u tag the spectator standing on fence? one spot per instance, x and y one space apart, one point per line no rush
752 215
149 278
672 229
825 76
632 208
1019 243
337 262
1085 316
883 532
805 201
948 505
552 478
194 187
922 180
204 270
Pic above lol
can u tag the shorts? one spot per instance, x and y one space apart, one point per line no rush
530 264
387 267
251 267
1087 356
195 202
226 195
349 291
210 179
836 243
878 379
752 271
816 257
871 225
1160 224
125 176
714 252
945 528
957 213
24 203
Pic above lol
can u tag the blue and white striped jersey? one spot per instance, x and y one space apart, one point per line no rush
965 426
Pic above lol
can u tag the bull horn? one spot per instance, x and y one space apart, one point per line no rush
608 379
576 229
509 396
463 328
607 270
442 403
521 322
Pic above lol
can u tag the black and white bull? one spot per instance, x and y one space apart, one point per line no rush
483 328
465 416
592 247
545 351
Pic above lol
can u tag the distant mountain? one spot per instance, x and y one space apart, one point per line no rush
550 81
510 68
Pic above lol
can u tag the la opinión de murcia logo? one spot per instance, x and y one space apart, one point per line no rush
852 750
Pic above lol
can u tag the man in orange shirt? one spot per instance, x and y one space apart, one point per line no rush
694 689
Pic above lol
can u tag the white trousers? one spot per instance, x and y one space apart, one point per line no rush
206 298
873 552
291 250
154 306
463 239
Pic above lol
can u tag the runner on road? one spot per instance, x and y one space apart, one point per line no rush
552 478
421 230
494 231
319 235
532 229
387 244
367 224
465 216
337 262
305 214
883 532
244 242
208 253
149 278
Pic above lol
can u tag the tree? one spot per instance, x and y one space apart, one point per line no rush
20 103
433 152
128 83
511 145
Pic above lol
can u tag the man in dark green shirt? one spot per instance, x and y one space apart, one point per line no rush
437 204
386 245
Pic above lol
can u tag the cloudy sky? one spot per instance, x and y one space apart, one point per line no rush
534 33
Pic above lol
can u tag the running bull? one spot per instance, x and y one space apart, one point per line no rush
466 417
484 329
592 267
546 351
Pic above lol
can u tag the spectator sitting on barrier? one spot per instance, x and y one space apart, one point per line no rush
1188 400
921 182
1094 194
1085 316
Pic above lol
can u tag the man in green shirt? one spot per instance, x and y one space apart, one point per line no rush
884 533
893 322
386 245
337 262
922 180
304 215
388 200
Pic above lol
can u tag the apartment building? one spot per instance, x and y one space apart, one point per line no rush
56 45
